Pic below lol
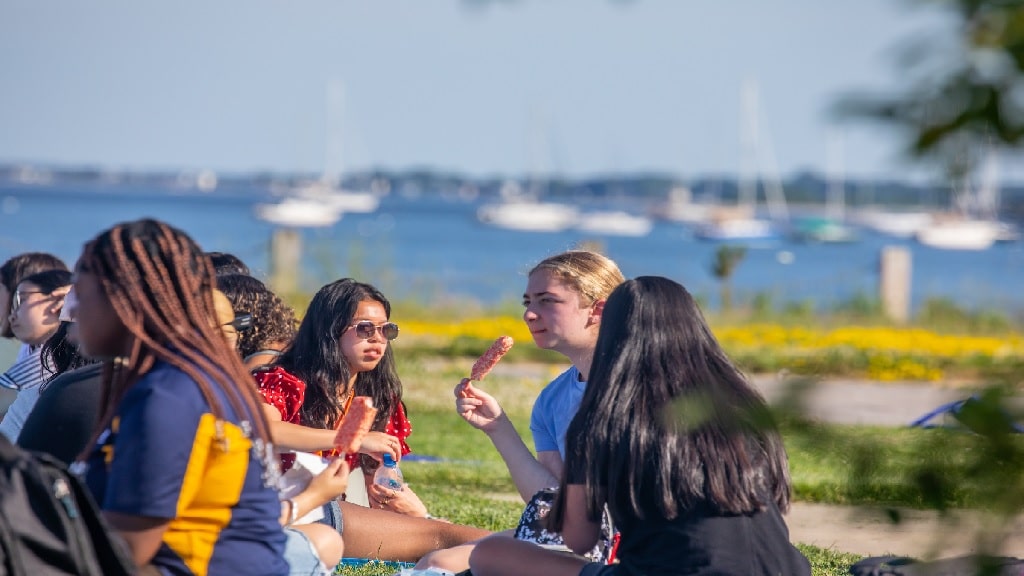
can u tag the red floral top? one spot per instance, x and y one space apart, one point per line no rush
286 392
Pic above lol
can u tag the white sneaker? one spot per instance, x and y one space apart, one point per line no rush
428 572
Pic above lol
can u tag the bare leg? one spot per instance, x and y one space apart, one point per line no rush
501 555
452 559
328 543
372 533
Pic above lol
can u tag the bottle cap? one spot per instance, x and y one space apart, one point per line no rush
389 461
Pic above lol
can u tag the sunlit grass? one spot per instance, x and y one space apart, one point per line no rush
850 465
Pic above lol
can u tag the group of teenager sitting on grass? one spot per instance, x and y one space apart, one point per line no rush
179 388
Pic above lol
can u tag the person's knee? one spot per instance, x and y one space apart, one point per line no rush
426 560
451 559
483 553
328 543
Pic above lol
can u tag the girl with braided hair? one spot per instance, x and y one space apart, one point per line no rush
180 460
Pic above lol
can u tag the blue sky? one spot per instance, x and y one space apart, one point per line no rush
578 87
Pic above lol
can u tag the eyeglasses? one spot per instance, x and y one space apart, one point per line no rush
366 329
242 322
16 301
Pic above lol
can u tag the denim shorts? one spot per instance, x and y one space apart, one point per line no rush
332 516
301 556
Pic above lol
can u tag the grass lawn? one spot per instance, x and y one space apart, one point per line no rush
829 464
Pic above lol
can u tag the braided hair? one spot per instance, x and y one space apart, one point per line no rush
160 286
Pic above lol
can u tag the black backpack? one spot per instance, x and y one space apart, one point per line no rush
49 523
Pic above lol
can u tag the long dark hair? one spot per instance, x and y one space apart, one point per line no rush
60 355
160 285
667 423
316 358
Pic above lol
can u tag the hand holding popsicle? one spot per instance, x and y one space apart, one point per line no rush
355 425
490 358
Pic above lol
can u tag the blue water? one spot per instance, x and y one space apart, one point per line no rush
432 247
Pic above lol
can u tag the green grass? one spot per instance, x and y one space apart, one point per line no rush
828 562
834 464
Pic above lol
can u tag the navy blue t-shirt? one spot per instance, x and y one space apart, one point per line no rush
165 455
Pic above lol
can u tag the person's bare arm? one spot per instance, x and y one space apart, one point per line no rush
482 411
528 474
552 461
288 436
579 532
143 534
324 487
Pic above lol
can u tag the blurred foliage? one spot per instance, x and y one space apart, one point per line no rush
966 92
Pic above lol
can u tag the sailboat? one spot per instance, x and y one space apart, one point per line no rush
298 213
903 224
680 207
520 211
829 228
960 230
320 202
614 223
741 222
523 210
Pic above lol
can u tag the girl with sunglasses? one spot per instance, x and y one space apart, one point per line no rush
341 350
34 316
13 271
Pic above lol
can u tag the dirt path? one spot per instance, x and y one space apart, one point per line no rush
849 401
869 532
920 534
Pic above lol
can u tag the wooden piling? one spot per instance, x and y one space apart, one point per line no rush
894 283
285 259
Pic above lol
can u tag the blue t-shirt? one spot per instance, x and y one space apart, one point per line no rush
554 410
165 455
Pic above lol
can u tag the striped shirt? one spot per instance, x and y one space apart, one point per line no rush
25 376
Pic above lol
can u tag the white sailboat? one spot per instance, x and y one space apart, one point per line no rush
298 213
523 210
323 201
961 230
680 207
614 223
736 224
742 223
905 224
958 233
518 211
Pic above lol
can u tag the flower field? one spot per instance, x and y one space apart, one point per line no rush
876 352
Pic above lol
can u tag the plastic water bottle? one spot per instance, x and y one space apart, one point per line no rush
388 475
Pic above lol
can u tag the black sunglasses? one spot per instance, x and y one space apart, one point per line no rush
16 300
366 329
242 322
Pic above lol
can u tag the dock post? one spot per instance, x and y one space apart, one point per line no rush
894 283
285 256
